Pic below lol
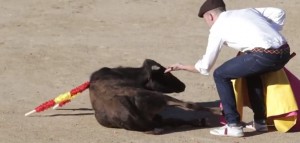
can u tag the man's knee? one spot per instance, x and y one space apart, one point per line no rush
218 73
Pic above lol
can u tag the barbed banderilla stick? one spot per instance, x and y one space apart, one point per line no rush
60 100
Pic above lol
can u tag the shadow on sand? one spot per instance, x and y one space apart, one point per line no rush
211 119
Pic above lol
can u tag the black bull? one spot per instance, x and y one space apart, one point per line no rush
133 98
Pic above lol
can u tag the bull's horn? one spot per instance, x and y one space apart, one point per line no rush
155 67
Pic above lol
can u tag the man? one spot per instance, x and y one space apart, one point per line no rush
255 32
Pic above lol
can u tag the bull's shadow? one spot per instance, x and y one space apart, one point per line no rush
208 119
170 113
90 112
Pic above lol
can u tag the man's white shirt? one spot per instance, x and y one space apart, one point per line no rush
243 30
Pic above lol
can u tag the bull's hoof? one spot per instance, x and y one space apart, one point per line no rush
190 105
196 107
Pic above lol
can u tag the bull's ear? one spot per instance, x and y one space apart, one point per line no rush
148 62
151 66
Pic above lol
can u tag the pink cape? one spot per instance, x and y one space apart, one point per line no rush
295 84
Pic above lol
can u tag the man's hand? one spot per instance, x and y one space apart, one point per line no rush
180 66
174 67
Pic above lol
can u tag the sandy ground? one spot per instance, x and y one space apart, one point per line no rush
49 47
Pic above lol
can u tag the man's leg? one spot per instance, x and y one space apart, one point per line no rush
246 65
256 98
236 67
241 66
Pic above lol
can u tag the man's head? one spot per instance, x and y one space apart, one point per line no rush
210 10
210 5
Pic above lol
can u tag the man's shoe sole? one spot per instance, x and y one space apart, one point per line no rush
225 135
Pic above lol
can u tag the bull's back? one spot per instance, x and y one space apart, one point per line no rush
103 73
112 102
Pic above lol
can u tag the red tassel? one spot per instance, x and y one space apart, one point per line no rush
45 106
80 88
63 103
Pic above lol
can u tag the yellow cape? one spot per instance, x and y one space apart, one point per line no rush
279 99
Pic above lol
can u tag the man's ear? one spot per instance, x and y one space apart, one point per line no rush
210 16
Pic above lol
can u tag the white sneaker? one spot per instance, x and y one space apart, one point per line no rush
228 131
257 127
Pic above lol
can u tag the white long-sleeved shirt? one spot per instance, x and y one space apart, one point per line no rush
243 30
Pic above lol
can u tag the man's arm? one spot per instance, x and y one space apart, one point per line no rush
213 48
275 16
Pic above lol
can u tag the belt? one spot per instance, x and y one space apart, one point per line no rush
284 49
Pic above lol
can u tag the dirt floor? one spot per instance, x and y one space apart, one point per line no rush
49 47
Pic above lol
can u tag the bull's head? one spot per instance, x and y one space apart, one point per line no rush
157 80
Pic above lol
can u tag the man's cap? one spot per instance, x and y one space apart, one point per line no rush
209 5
